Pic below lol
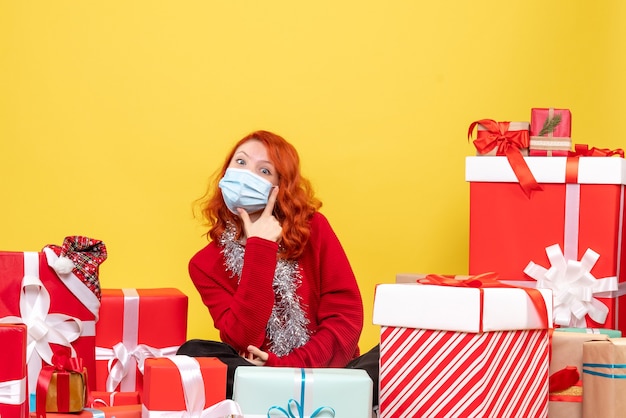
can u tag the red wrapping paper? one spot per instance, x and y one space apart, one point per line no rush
62 301
555 143
99 399
163 390
508 230
13 369
538 116
161 324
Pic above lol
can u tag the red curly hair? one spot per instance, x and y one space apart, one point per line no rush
295 204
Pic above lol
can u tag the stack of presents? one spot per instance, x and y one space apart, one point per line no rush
533 330
71 349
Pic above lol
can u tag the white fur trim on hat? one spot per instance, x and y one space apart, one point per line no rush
63 265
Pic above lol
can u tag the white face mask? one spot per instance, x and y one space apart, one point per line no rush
244 189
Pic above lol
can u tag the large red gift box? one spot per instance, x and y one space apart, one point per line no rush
58 309
462 351
13 392
567 236
181 386
136 324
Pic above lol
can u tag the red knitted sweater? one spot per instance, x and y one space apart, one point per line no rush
329 295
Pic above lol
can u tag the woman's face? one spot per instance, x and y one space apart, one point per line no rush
252 155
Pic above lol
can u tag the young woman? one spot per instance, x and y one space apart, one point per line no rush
274 276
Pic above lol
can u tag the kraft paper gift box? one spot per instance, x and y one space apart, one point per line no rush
604 378
509 139
567 351
496 138
550 132
57 305
183 386
303 392
13 391
62 386
121 411
566 237
99 398
462 351
136 324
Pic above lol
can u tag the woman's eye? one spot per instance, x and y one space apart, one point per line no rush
240 161
266 172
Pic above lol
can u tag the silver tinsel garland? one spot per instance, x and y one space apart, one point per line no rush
287 325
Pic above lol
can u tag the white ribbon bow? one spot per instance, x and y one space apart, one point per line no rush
121 361
43 327
573 287
193 390
13 392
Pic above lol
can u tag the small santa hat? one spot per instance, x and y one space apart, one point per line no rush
81 256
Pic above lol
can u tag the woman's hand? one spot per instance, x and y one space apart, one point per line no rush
266 225
256 356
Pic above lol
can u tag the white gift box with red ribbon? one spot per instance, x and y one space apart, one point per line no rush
461 351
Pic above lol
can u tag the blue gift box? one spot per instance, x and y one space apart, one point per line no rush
303 393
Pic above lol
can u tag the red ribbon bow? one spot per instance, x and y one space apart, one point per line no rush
62 360
563 379
509 144
583 150
489 280
62 364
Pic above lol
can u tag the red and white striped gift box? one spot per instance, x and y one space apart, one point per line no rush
461 352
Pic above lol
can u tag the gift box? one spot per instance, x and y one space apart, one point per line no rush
604 378
62 386
303 392
495 138
99 399
550 132
121 411
136 324
13 391
612 333
461 351
56 293
567 351
566 237
509 139
182 386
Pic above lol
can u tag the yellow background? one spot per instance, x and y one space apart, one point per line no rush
113 115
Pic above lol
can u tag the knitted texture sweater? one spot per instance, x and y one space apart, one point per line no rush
329 296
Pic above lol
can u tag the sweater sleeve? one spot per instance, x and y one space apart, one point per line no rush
240 312
339 314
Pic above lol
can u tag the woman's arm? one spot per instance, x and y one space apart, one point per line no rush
339 314
239 312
